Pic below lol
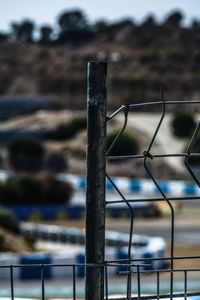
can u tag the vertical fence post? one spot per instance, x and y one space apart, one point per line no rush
95 193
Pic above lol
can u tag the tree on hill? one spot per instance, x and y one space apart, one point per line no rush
3 36
74 27
174 19
45 34
101 26
24 30
149 21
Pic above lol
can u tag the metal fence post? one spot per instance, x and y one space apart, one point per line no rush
95 193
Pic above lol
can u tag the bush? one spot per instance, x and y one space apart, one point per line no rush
26 154
195 161
182 125
8 220
26 190
126 145
68 130
55 162
57 191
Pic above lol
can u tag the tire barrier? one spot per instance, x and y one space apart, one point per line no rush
143 247
54 233
144 186
77 257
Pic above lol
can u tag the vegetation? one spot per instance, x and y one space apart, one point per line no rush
68 130
126 145
55 162
27 190
195 161
142 57
183 124
26 154
8 221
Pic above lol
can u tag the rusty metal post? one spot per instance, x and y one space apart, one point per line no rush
95 193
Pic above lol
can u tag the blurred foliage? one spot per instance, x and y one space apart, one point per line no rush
46 35
126 145
23 30
68 130
26 154
55 162
194 161
141 57
27 190
183 124
74 27
8 221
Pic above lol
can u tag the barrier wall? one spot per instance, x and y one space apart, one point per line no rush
142 247
138 185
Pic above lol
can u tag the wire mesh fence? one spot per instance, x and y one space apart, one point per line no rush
146 156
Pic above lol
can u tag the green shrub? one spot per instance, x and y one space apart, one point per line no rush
26 190
8 220
182 125
126 145
10 192
68 130
57 191
197 56
32 190
55 162
195 161
26 154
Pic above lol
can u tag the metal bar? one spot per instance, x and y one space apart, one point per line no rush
138 281
130 231
119 157
185 284
42 281
95 191
106 281
153 200
74 283
129 284
158 284
122 108
163 296
193 140
162 271
120 133
11 282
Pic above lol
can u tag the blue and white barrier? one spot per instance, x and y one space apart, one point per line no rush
142 247
145 186
156 248
54 233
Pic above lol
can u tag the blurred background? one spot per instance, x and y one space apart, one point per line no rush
44 50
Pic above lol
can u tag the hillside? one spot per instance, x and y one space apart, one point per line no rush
140 59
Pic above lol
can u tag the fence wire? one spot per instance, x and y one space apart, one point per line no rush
146 156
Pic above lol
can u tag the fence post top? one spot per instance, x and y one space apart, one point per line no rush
97 82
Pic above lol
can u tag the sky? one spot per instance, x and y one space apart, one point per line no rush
46 11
